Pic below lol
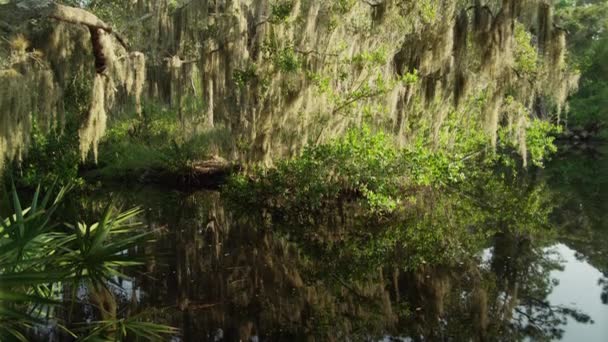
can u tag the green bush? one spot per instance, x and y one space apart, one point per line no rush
418 205
367 168
361 165
51 157
157 141
280 11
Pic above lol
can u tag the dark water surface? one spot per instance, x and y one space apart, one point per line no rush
216 275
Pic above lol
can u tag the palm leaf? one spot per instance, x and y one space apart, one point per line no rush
35 259
18 210
19 279
17 297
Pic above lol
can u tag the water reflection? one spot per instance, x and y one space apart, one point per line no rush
579 287
491 274
582 180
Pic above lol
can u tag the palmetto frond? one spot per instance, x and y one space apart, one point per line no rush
39 257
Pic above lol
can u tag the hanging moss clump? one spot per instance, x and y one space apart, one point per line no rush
279 80
46 57
545 20
29 92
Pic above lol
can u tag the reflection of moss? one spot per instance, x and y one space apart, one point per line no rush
338 271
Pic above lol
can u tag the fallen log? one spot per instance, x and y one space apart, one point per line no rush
204 174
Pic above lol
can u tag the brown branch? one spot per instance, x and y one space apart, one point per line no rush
357 98
520 76
350 288
484 7
18 13
79 16
373 4
264 21
314 52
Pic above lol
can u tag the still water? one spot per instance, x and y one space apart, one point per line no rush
217 275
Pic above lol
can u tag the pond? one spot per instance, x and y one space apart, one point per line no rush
222 274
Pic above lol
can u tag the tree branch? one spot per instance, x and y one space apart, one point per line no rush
15 14
79 16
373 3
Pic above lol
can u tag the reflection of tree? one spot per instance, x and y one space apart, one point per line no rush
504 300
581 177
604 283
341 274
522 272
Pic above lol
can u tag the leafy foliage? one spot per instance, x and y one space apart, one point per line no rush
588 107
280 11
40 258
540 144
540 141
526 56
243 76
158 141
286 60
369 168
587 26
419 205
52 157
360 164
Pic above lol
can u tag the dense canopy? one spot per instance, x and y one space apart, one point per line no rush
278 74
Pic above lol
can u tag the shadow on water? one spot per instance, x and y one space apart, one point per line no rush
493 272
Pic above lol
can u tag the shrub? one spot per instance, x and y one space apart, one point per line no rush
52 157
